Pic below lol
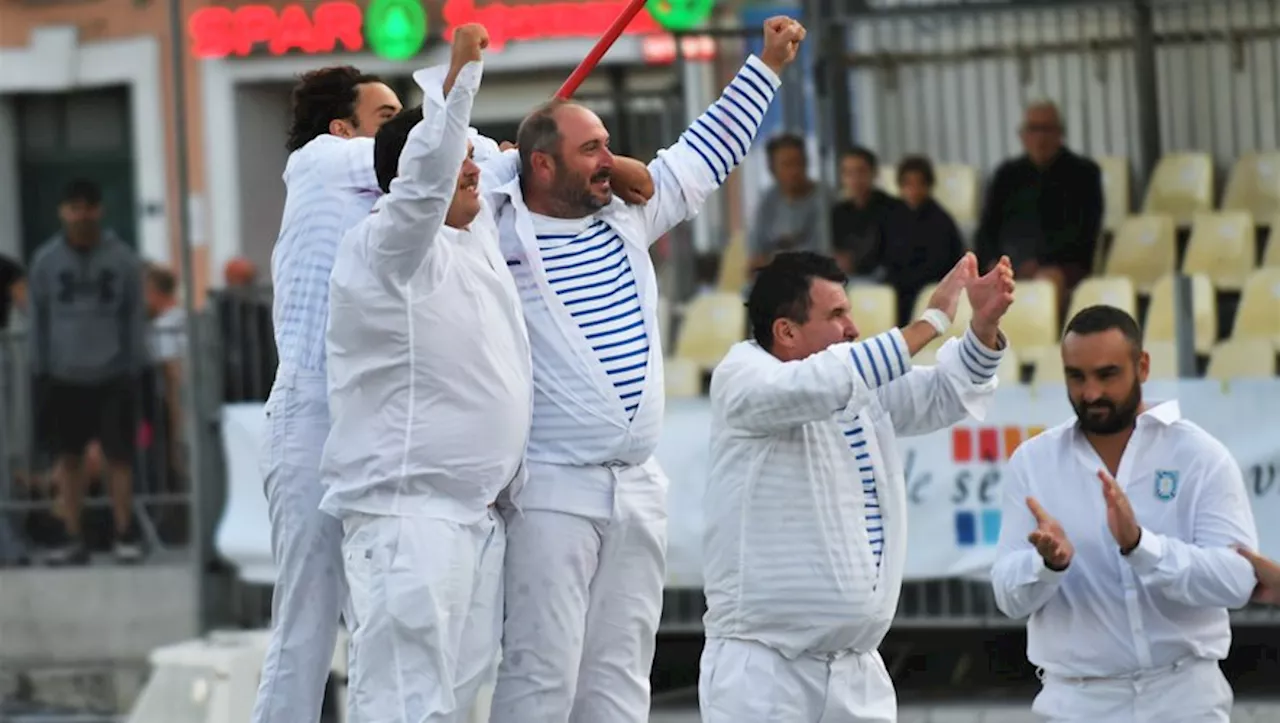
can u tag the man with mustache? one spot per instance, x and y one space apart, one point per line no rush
1117 538
587 535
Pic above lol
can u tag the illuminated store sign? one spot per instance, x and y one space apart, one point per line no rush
397 29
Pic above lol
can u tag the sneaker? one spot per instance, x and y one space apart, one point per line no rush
128 547
70 551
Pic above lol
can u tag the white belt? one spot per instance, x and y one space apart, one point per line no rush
1143 674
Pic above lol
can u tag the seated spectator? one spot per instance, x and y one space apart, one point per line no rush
1044 208
246 334
857 221
787 217
921 240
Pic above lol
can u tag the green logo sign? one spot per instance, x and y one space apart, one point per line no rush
395 29
680 15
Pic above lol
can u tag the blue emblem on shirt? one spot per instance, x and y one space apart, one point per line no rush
1166 484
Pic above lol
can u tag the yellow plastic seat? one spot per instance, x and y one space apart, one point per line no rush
1048 369
1032 320
1259 314
1145 248
887 179
682 378
1115 190
956 190
1271 252
1181 186
964 313
1159 325
874 308
1164 360
1222 248
712 324
1254 185
732 274
1117 291
1239 358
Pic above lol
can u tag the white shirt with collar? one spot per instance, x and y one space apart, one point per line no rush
430 380
1108 614
595 403
806 508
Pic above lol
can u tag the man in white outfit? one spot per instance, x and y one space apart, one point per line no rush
1117 537
330 186
805 507
587 536
430 383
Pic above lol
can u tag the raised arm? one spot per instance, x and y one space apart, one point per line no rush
964 380
404 229
685 174
1207 571
1022 580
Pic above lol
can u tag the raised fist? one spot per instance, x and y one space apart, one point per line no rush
782 37
468 43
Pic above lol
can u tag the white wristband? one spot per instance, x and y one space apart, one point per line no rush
938 319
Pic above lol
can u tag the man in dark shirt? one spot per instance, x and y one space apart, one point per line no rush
921 240
1043 209
857 222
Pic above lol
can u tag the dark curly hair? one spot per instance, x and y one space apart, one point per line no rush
322 96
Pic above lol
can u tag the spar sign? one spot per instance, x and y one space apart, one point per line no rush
399 29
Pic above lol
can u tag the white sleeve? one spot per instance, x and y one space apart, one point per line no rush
1205 572
349 164
772 396
685 174
1019 578
404 229
961 385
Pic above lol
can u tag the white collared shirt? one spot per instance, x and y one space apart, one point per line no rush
1108 614
430 380
795 556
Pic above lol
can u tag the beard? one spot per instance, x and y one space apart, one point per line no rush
572 191
1106 417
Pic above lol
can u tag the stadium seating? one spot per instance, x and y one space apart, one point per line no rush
1242 358
1181 186
964 312
733 265
887 179
1031 324
1271 254
1222 248
1117 291
1164 360
712 323
1115 190
1259 313
683 378
874 308
1144 249
1159 325
1254 185
957 189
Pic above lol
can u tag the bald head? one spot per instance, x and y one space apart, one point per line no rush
565 162
239 272
1042 132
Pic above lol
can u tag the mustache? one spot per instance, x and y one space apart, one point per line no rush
603 174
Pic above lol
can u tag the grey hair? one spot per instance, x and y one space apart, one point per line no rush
1046 104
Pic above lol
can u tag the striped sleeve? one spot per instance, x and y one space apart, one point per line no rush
980 363
686 173
882 358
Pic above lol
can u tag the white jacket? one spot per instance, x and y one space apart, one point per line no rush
429 372
578 419
787 559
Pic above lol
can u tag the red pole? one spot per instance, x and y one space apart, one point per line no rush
602 46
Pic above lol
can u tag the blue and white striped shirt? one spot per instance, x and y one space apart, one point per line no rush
586 265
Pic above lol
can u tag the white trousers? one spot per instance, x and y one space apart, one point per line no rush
583 602
1193 691
426 616
746 682
306 545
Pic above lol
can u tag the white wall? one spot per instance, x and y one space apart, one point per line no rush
965 110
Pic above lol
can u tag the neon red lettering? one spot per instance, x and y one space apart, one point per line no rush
293 32
254 24
212 32
339 22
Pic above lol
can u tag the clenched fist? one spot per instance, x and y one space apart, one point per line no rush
469 42
782 38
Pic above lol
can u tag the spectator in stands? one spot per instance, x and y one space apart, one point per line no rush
13 292
857 221
1134 581
247 336
787 217
921 240
1044 208
88 349
1268 574
168 340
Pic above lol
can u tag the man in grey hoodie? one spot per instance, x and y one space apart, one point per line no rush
88 348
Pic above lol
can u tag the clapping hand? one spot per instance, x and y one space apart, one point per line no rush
1120 518
1050 539
991 295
